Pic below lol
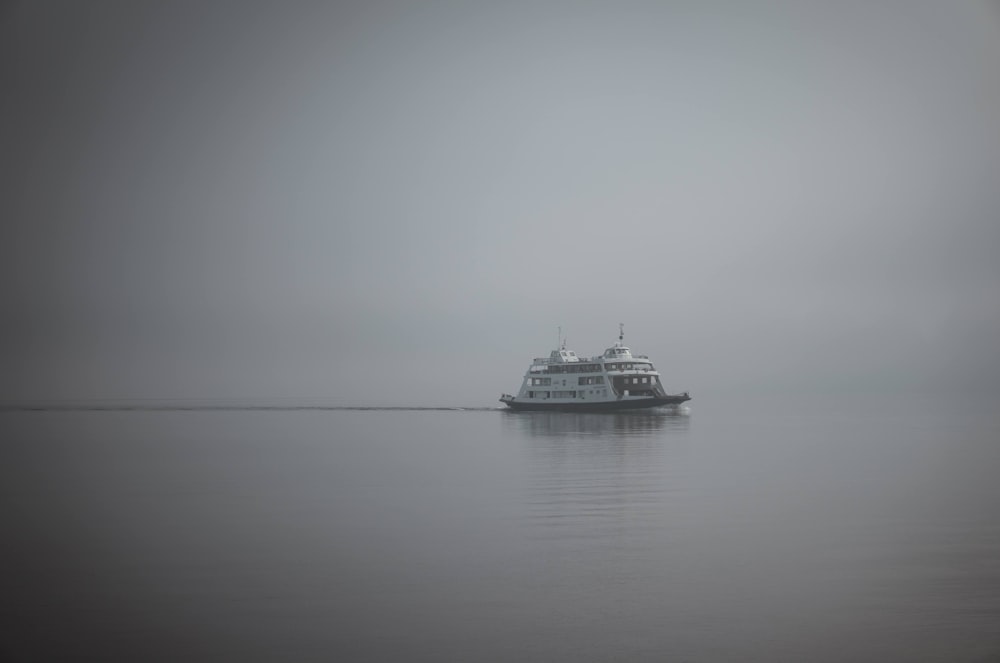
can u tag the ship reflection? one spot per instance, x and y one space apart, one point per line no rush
640 423
591 477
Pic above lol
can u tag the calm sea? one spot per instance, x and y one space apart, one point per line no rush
820 530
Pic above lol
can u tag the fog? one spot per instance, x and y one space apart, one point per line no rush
400 203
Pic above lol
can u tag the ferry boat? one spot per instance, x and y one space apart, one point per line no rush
616 380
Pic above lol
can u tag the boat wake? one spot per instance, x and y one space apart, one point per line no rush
173 407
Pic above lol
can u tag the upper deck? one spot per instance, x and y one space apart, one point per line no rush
618 358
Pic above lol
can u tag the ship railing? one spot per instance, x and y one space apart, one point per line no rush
593 360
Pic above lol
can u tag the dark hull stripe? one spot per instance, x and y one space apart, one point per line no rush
603 406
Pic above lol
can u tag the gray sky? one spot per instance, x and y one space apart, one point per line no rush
397 203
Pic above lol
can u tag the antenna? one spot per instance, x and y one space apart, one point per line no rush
559 340
621 332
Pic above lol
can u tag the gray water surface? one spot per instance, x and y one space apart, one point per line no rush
817 531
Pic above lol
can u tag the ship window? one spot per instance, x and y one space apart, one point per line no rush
645 380
599 379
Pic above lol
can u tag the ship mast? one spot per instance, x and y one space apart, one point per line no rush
621 332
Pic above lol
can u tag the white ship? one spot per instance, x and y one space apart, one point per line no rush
616 380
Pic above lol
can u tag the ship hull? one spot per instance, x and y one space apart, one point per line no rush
598 406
